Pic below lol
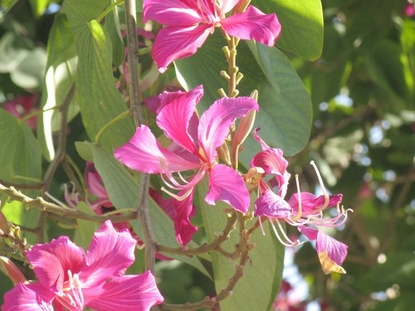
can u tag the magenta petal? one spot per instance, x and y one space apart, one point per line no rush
173 43
182 226
52 261
28 297
109 255
127 293
226 185
174 117
337 251
143 153
272 161
311 203
263 144
215 122
272 205
94 181
253 25
171 12
165 204
310 233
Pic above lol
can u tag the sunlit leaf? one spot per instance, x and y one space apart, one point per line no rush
98 96
302 25
20 156
59 78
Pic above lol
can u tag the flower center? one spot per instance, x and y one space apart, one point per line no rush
72 296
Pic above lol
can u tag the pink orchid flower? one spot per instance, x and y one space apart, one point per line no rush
70 279
303 209
189 23
193 147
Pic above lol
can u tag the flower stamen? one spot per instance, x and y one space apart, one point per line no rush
285 240
300 210
323 188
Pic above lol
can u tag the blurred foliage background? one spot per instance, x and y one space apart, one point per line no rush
363 140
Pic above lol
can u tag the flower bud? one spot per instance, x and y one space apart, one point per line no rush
12 271
244 128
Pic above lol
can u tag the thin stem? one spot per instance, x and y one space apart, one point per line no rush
243 249
108 10
45 206
121 116
232 76
205 248
132 57
37 186
138 117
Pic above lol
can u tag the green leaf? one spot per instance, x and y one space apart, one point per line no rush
98 96
20 156
302 25
59 78
14 211
120 184
86 229
285 103
20 160
285 113
262 274
84 150
112 24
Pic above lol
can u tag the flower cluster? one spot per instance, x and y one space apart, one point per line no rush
193 147
303 210
197 144
70 279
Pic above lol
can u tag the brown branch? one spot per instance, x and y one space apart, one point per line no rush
204 248
136 110
243 248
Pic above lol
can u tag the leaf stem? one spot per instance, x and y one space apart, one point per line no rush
109 9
